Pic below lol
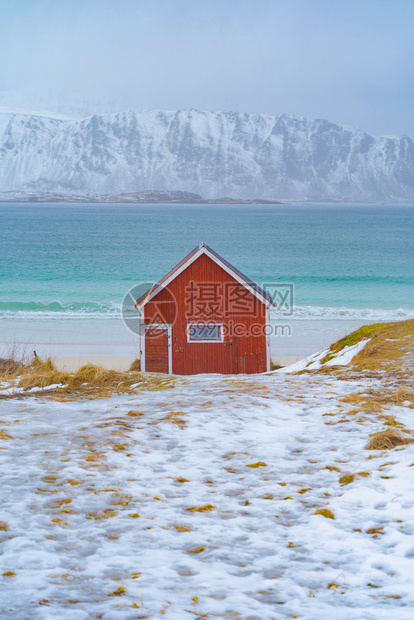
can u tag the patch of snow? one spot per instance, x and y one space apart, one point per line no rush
11 390
18 390
53 386
312 362
346 355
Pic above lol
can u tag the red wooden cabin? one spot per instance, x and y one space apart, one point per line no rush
204 316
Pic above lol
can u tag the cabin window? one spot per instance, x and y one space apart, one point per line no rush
205 332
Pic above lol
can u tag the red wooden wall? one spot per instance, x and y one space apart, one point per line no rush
175 305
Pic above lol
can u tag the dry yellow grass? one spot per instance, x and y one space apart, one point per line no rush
403 394
173 418
388 345
388 439
386 350
182 528
346 479
258 464
61 502
325 512
374 401
376 530
135 366
196 550
205 508
50 479
100 516
118 592
89 381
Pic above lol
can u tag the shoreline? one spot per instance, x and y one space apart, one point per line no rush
72 363
71 346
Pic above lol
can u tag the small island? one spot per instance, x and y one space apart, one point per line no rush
144 197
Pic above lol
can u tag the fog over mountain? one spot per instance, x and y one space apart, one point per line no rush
210 153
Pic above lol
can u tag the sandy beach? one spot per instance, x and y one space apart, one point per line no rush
110 362
71 343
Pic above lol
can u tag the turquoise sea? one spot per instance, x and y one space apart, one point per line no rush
64 269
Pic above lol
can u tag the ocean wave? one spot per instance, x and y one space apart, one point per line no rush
342 313
56 310
34 310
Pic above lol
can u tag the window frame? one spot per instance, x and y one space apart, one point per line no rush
209 340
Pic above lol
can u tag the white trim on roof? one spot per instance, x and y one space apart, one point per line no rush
203 250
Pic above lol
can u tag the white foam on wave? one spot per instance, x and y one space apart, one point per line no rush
59 316
107 311
342 313
300 313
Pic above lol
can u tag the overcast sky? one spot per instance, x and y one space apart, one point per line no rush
344 60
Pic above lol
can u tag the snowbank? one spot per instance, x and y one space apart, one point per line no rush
313 362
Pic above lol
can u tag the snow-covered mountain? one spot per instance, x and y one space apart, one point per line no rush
209 153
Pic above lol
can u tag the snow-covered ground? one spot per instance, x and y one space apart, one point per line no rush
99 504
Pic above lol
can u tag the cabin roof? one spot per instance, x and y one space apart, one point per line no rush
254 288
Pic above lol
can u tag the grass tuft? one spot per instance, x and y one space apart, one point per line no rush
258 464
196 550
374 401
325 512
118 592
205 508
364 333
346 479
136 365
89 381
376 531
182 528
386 349
388 439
